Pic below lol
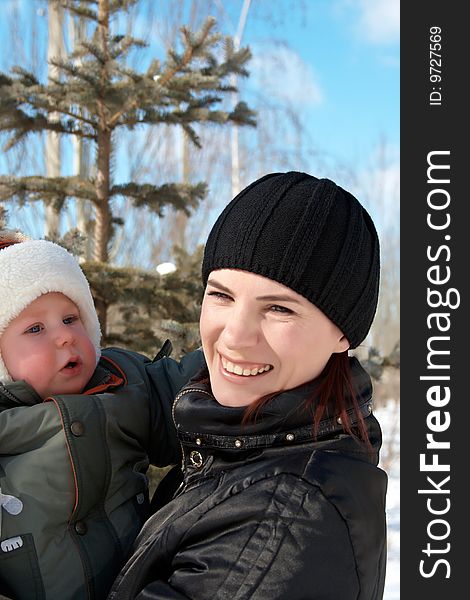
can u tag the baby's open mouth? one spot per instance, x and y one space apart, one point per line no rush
72 364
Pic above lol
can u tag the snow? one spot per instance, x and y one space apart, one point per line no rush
388 416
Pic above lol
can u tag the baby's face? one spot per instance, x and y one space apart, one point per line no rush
47 346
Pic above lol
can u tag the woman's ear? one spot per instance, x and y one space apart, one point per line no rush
342 345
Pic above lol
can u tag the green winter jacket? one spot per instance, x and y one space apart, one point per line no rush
73 489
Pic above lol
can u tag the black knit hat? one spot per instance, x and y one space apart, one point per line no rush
308 234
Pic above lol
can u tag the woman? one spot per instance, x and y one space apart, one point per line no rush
282 497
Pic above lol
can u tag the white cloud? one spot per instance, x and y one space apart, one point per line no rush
379 20
281 72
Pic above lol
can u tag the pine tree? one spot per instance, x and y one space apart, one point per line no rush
95 93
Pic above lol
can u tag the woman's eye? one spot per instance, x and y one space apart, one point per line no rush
281 309
220 295
34 329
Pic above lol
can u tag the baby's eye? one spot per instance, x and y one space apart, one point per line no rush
34 329
70 319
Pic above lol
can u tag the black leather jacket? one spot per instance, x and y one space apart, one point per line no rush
266 512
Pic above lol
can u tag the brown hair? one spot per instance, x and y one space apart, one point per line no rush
335 391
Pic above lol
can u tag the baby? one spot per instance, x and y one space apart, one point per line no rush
78 426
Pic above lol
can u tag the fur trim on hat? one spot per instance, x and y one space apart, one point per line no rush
31 268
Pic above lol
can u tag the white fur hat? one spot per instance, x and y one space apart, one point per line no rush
31 268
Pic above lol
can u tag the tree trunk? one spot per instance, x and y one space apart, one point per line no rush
55 49
181 219
81 152
103 213
234 137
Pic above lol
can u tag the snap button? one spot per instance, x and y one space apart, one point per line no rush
77 428
290 437
198 441
238 443
81 528
196 459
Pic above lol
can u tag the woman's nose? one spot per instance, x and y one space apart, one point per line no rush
241 330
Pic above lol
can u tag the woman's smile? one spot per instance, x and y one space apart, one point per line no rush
244 369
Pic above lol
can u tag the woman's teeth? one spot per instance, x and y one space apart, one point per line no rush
238 370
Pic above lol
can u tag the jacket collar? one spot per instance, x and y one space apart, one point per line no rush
104 378
202 421
18 393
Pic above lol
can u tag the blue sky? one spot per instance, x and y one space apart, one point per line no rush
344 70
341 62
335 63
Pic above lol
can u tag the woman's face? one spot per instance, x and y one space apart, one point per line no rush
260 337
